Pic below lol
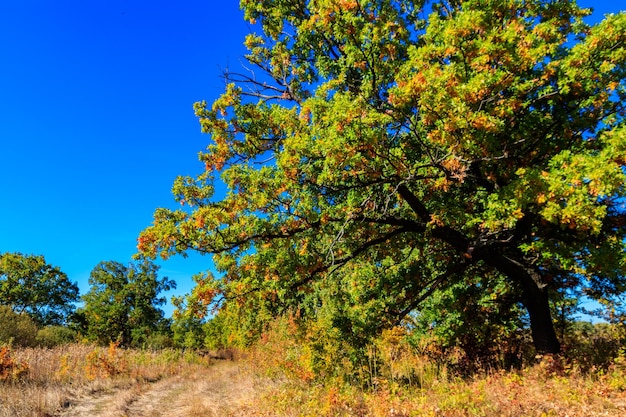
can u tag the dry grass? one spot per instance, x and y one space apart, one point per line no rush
84 380
57 378
540 390
397 379
223 390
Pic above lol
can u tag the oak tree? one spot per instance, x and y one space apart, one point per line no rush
381 150
123 302
28 284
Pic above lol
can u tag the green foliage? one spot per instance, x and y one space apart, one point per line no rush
481 316
52 336
122 303
29 285
386 154
230 324
17 328
187 332
189 317
234 326
156 340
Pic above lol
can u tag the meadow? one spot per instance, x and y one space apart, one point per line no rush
402 379
276 377
47 381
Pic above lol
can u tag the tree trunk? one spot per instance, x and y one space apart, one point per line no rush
541 325
511 264
535 299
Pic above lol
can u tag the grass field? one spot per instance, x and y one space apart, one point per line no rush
44 382
535 391
79 379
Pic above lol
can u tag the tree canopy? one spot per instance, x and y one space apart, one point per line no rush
30 285
123 302
381 150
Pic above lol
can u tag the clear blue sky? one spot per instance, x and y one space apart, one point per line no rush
96 120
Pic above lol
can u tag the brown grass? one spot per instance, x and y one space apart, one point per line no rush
57 378
116 382
511 394
397 379
545 389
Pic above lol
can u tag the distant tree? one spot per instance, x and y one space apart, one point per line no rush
188 331
29 285
398 148
122 303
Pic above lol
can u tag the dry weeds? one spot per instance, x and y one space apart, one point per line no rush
531 392
82 380
218 390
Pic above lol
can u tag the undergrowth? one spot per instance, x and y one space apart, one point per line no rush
311 371
396 377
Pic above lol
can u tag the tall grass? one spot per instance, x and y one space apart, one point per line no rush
401 378
52 379
533 391
302 374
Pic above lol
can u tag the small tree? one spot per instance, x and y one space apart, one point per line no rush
51 336
30 285
188 331
122 303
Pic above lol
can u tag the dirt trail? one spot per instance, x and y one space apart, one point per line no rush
221 390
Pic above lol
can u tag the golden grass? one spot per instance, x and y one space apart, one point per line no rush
397 379
77 380
57 378
534 391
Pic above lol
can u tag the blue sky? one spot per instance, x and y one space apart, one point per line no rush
96 120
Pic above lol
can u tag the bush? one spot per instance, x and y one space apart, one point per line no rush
187 331
51 336
283 351
157 341
593 346
17 329
10 368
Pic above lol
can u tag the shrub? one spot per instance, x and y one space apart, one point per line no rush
105 363
51 336
17 329
157 341
281 351
10 368
593 346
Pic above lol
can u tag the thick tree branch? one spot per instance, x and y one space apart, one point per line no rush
453 237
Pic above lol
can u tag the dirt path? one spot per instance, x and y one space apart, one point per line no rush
221 390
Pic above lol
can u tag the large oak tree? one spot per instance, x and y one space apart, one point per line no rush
400 147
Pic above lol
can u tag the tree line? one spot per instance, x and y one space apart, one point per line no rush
40 305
